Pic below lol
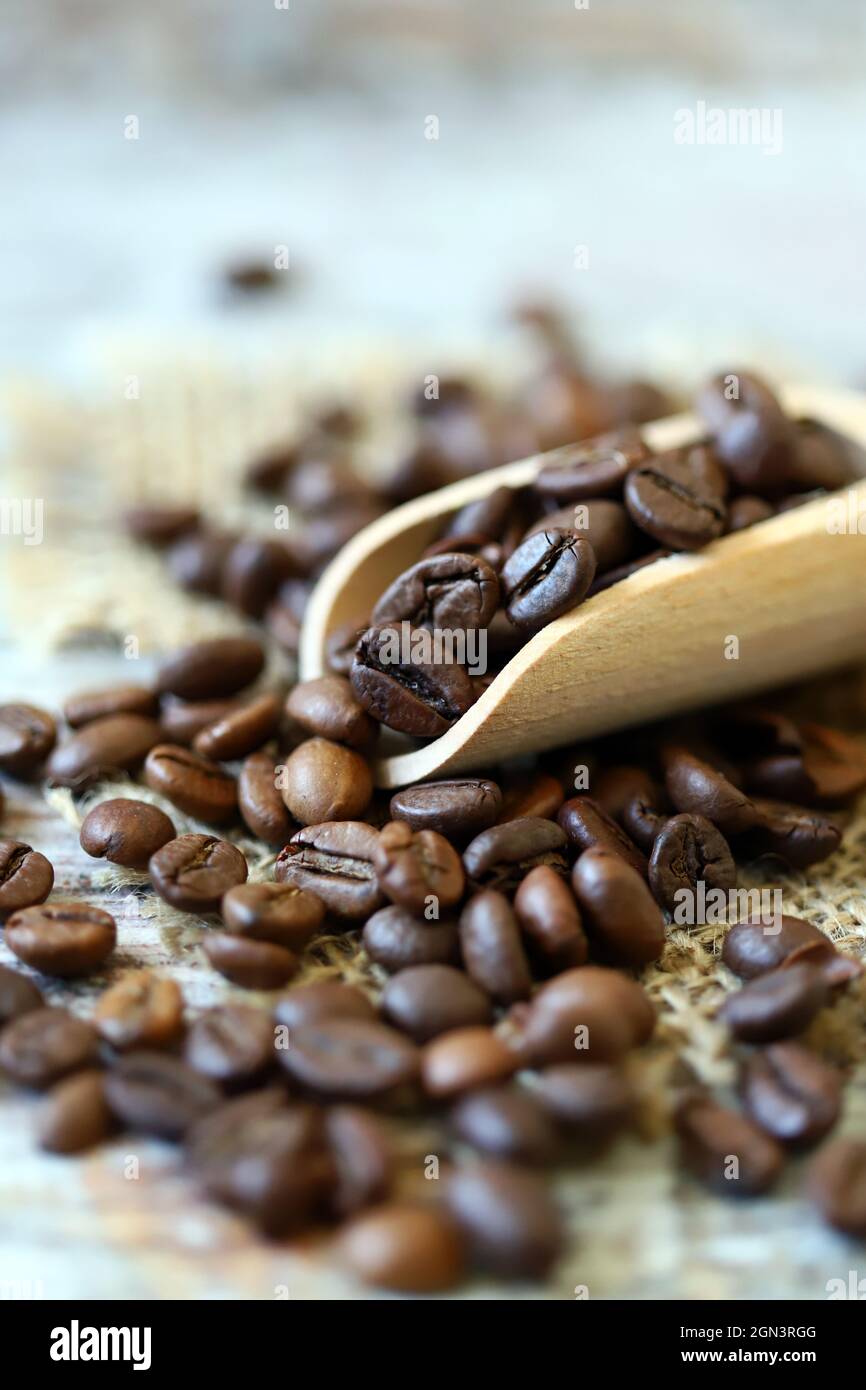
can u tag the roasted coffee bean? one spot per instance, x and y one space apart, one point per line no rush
350 1059
99 704
487 516
591 1014
18 995
324 1000
696 786
334 861
509 1219
689 850
726 1151
592 1102
63 939
798 837
506 1122
551 922
632 799
42 1046
253 572
460 808
427 1000
26 877
193 784
196 562
821 458
411 696
323 480
323 781
27 736
321 537
232 1045
777 1005
548 575
341 643
125 831
327 708
275 912
118 743
834 762
589 827
76 1114
157 1094
618 908
747 511
181 720
240 732
780 777
283 626
503 855
492 950
208 670
405 1247
537 794
194 871
791 1093
142 1010
753 947
453 591
597 468
752 436
620 572
414 867
362 1157
604 524
250 964
160 525
837 1185
749 731
678 498
270 469
465 1059
396 940
260 802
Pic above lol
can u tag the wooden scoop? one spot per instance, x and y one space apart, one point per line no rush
790 590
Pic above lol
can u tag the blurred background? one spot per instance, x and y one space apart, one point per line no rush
307 127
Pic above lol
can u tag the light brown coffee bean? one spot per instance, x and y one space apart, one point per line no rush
465 1059
276 912
241 731
44 1045
261 805
325 999
550 918
142 1010
76 1115
209 670
326 782
193 872
250 964
327 708
620 912
415 867
103 748
26 877
125 831
403 1247
63 939
88 705
193 784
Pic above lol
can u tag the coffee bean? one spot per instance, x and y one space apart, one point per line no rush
752 436
780 777
193 784
798 837
275 912
747 511
618 908
194 871
323 781
725 1151
791 1093
404 1247
597 468
260 802
837 1185
341 643
777 1005
678 498
452 591
103 748
696 786
208 670
125 832
427 1000
589 827
350 1059
18 995
253 571
509 1219
182 720
76 1114
99 704
415 696
334 861
42 1046
590 1014
487 516
158 525
323 1000
232 1045
506 1122
604 524
464 1059
835 763
630 797
250 964
548 575
592 1102
362 1157
492 950
26 877
196 562
142 1010
503 855
240 732
27 736
460 808
751 948
157 1094
63 939
327 708
415 867
537 794
550 918
394 939
689 850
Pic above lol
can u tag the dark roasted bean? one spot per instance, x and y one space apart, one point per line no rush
753 947
396 940
606 525
26 877
589 827
63 939
42 1046
334 861
837 1185
212 669
232 1045
181 720
327 708
618 908
509 1218
791 1093
27 736
592 1102
276 912
412 696
598 468
405 1247
492 950
798 837
465 1059
417 868
194 871
752 436
427 1000
689 850
158 1094
99 704
250 964
240 732
160 525
118 743
548 575
125 831
747 511
254 569
459 808
535 795
503 855
454 591
193 784
362 1157
725 1151
678 498
551 921
777 1005
696 786
260 802
196 562
325 999
76 1115
19 995
341 644
350 1059
591 1014
506 1122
